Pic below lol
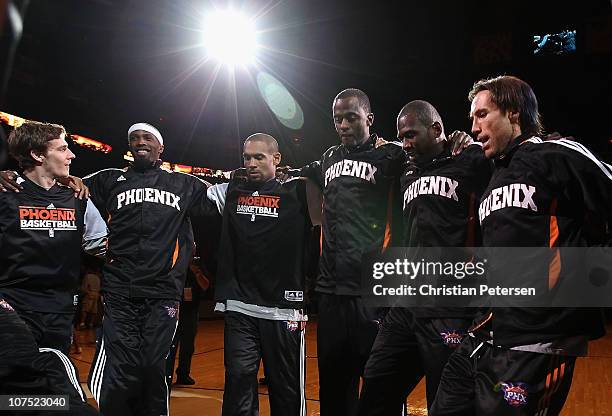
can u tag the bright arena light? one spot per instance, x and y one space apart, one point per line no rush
230 37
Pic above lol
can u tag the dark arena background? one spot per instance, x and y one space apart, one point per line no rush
98 66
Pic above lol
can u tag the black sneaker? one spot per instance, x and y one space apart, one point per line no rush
185 381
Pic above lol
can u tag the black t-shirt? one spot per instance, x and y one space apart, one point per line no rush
40 248
266 228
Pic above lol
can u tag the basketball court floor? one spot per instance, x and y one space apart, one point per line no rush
590 395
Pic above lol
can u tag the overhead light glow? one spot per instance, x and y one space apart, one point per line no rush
230 37
95 145
91 143
194 170
11 120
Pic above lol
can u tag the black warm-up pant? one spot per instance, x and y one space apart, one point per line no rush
406 349
188 328
128 373
184 341
345 333
480 379
34 357
281 346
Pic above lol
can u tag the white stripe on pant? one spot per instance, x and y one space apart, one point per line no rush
98 373
69 369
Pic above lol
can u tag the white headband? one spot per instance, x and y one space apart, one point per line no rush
148 128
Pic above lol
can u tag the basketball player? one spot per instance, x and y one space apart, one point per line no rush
360 211
414 342
521 360
41 231
261 280
147 210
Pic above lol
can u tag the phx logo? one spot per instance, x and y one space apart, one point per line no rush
515 393
293 326
452 338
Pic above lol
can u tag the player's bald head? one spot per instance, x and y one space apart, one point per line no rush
423 111
271 143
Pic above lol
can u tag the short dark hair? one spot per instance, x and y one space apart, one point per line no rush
265 138
512 94
32 136
423 111
364 101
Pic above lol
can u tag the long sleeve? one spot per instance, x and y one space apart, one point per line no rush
217 194
95 232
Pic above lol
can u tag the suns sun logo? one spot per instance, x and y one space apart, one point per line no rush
5 305
172 311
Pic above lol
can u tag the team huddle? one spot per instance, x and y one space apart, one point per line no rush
507 188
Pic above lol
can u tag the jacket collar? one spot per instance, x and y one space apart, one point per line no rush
149 168
442 157
367 145
513 146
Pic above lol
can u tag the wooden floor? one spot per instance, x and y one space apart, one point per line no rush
591 392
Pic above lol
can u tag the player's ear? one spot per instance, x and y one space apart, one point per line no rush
437 129
276 158
37 156
370 119
513 116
